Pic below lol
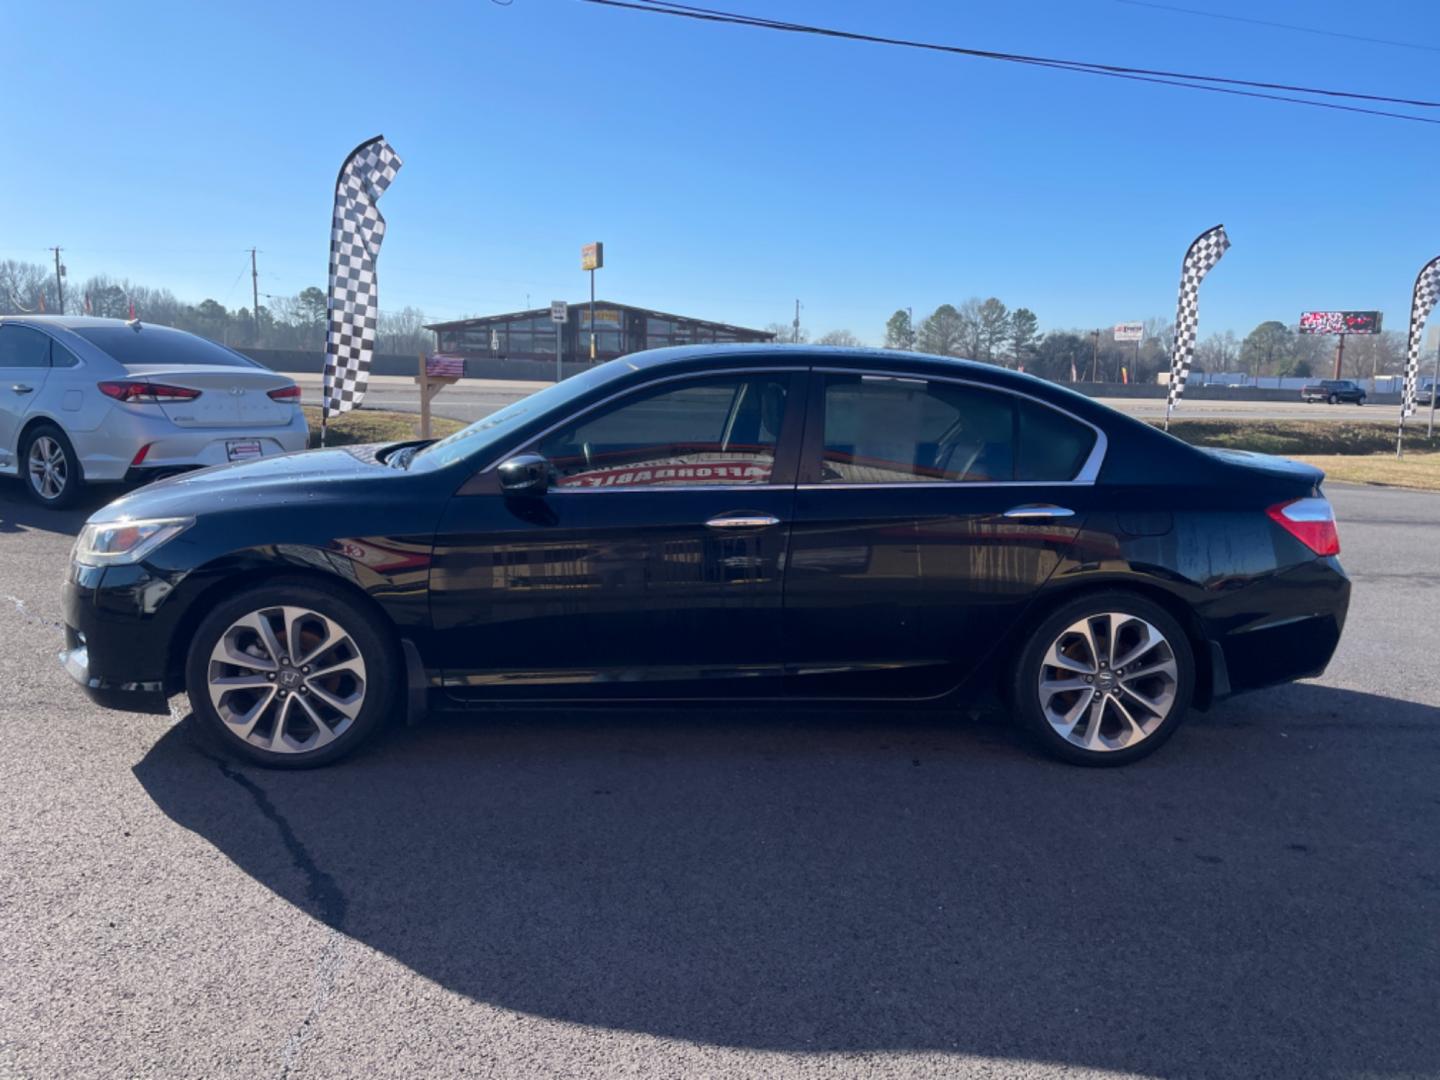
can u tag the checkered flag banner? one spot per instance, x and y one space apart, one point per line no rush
357 230
1427 291
1204 253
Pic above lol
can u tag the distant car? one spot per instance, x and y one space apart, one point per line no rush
86 401
1424 393
720 522
1333 391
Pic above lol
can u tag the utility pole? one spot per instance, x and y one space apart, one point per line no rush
1094 354
1339 354
255 294
795 326
910 331
59 281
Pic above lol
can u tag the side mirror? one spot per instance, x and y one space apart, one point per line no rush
524 474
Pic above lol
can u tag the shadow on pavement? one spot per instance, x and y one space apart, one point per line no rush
19 514
1260 899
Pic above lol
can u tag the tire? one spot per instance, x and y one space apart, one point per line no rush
55 455
1166 681
322 716
1331 400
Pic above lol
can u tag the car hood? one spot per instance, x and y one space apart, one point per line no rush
301 477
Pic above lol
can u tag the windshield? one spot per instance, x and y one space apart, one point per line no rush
472 440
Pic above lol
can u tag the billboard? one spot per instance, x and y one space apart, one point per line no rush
1340 322
1129 331
592 256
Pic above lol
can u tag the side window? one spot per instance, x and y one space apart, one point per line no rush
61 357
714 431
881 430
23 347
1053 447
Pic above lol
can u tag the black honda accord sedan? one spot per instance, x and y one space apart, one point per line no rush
760 523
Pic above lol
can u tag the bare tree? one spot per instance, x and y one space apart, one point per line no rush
838 337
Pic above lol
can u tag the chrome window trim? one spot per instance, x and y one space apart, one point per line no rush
790 370
1086 477
671 487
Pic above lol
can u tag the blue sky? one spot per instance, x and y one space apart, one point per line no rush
728 171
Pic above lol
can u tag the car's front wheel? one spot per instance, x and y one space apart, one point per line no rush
1105 679
51 467
291 675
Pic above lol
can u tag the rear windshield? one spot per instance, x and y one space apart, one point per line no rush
161 345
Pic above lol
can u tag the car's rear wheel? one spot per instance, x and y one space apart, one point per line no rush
51 469
1105 679
1331 400
291 675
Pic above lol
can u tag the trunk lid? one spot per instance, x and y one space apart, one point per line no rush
229 396
1302 476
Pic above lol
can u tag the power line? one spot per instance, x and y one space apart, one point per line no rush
1281 26
1184 80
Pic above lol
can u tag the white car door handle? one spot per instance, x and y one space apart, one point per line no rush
1038 512
742 521
21 388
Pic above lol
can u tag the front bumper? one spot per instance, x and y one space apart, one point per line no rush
146 697
116 637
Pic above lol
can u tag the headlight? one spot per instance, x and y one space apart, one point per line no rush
116 542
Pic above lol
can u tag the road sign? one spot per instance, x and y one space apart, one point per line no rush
559 311
1129 331
592 256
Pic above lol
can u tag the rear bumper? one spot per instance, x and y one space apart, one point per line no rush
107 452
1303 617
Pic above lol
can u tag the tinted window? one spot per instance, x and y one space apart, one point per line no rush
61 357
161 345
711 431
886 430
1052 446
23 347
881 430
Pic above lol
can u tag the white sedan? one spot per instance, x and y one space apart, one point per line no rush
87 400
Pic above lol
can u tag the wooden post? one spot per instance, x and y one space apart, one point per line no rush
429 385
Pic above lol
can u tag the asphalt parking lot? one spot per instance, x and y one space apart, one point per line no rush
722 893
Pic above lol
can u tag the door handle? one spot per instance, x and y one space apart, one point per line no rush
742 521
1038 512
21 388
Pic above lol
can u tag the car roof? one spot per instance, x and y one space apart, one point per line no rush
67 322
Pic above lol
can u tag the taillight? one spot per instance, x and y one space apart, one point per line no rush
1311 521
286 393
145 393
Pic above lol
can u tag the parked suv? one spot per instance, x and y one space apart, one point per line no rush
1424 392
87 400
1333 390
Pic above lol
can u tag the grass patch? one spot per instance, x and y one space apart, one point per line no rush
1293 438
374 426
1420 471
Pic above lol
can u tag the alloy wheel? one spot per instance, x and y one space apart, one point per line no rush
48 469
287 679
1108 681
